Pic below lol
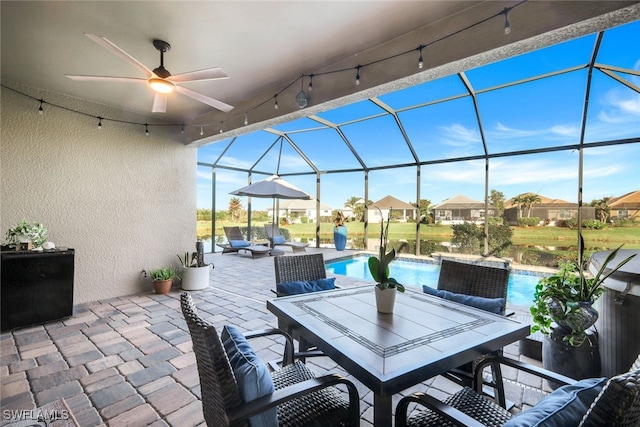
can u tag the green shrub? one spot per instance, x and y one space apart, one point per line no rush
528 222
625 222
468 238
497 220
593 224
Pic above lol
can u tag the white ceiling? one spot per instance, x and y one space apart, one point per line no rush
262 45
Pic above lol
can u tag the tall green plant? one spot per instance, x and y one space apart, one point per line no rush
379 266
570 287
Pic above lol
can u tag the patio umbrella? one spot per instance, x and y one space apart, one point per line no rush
273 187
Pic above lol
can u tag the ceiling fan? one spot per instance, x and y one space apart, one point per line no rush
160 79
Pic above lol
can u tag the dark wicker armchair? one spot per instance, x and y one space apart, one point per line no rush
482 281
591 403
301 267
301 399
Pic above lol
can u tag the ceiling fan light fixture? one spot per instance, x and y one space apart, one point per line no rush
161 85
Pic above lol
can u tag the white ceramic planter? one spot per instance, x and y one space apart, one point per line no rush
385 299
195 278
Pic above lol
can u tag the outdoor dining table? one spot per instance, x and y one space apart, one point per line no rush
425 336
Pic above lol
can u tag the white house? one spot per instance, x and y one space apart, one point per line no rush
296 209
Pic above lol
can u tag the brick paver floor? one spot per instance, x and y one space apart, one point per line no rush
129 361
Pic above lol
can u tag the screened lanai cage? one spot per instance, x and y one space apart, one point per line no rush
561 123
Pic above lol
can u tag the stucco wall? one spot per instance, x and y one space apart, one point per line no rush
124 201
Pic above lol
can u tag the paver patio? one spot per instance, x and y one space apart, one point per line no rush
129 361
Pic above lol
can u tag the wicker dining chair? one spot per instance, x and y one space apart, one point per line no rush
587 403
301 398
480 281
299 268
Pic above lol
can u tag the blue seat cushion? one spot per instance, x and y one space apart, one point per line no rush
564 407
304 287
239 243
251 374
492 305
278 240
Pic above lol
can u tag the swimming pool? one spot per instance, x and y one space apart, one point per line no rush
414 274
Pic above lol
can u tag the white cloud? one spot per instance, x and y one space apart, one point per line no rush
458 135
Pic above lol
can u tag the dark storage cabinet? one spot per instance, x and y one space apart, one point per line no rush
37 287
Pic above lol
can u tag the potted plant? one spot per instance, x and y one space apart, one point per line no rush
563 311
195 276
339 231
386 286
30 234
163 279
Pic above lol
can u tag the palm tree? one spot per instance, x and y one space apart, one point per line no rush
520 202
531 199
235 209
603 211
352 203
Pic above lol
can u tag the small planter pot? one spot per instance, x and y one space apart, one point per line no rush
385 299
195 278
162 286
340 237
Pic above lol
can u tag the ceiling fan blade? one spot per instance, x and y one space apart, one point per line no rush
159 103
205 99
194 76
107 44
105 79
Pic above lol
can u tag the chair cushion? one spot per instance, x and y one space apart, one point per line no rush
564 407
251 374
239 243
492 305
304 287
278 240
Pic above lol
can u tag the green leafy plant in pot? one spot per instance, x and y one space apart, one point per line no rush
163 279
566 298
35 233
386 286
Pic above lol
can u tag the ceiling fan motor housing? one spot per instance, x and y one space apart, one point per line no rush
163 47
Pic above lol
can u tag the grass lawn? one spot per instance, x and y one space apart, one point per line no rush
541 236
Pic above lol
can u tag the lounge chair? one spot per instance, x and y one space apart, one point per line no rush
236 243
275 239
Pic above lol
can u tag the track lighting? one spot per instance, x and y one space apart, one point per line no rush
99 122
507 25
420 60
221 123
246 119
41 110
201 130
146 129
182 128
310 87
275 105
358 74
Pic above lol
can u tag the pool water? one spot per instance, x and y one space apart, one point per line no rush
415 274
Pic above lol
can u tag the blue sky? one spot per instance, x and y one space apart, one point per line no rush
538 114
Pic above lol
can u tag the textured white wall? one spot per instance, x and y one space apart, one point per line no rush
124 201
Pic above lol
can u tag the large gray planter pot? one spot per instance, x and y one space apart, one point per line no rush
574 362
580 320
